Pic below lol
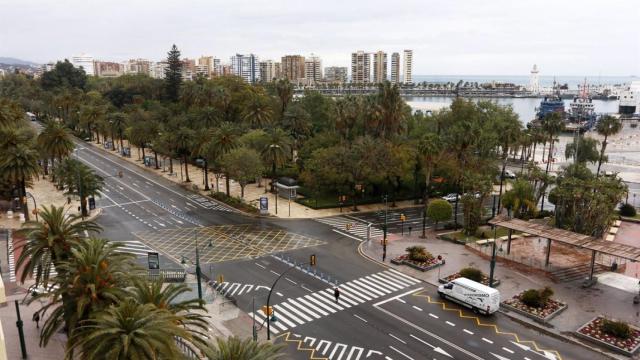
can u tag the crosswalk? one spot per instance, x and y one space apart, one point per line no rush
294 312
338 351
237 289
351 226
134 247
12 262
208 204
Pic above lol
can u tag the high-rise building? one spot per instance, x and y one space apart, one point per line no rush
138 66
313 69
360 67
108 69
226 69
246 66
85 62
336 74
379 67
395 68
534 81
159 69
292 67
217 67
407 65
205 66
269 70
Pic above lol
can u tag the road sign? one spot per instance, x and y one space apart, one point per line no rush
264 205
92 203
154 260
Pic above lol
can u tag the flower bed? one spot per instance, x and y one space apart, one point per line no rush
485 279
551 309
592 331
422 266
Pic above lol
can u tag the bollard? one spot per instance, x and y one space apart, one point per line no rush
23 346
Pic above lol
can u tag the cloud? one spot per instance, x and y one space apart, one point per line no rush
452 37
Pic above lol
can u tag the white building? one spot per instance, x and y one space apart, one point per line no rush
395 68
534 80
85 62
313 69
407 66
158 69
246 66
379 66
360 67
269 70
336 74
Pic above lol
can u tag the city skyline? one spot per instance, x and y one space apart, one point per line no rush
447 39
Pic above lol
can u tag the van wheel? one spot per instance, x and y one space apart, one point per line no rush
475 310
442 295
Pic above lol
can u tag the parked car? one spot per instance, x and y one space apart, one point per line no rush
450 197
508 174
476 296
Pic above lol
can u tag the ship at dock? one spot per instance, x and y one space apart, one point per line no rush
581 115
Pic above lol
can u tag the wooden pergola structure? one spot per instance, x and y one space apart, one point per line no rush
580 241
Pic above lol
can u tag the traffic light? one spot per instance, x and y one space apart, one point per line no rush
220 279
312 260
267 310
403 217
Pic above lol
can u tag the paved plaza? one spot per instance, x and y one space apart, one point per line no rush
225 242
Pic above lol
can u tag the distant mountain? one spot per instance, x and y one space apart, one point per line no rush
14 61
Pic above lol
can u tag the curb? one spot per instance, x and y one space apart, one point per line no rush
536 326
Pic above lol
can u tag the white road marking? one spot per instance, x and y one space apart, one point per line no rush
436 349
507 350
360 318
347 235
279 294
417 308
450 323
397 338
467 331
289 280
135 184
487 340
306 288
275 273
402 301
433 316
399 352
397 297
260 265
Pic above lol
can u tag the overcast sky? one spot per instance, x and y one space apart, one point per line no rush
480 37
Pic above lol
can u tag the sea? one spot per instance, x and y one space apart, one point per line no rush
524 107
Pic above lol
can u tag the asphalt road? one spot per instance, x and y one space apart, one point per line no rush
381 314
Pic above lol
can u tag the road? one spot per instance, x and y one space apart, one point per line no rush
381 313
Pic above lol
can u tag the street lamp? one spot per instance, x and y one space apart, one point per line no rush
35 206
198 270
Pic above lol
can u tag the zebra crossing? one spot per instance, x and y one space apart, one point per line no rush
338 351
294 312
233 289
134 247
208 204
351 225
12 262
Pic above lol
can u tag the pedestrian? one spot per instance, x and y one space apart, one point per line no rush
384 255
336 293
36 318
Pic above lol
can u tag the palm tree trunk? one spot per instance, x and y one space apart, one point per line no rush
226 181
170 165
23 199
83 206
504 165
242 191
273 175
186 169
206 176
155 155
143 156
604 146
113 142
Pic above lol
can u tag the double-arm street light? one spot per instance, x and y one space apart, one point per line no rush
198 270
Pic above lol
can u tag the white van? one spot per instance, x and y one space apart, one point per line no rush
477 297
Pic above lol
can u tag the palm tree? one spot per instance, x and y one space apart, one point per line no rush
509 128
19 166
224 140
183 144
235 348
275 151
392 109
430 151
89 116
284 89
552 125
129 330
91 279
520 199
118 122
607 126
257 111
48 242
80 181
297 121
56 141
200 147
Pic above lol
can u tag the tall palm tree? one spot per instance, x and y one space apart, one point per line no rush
118 122
224 140
552 125
55 140
183 143
430 150
392 109
236 348
510 129
284 89
19 166
276 151
129 330
520 199
89 116
200 147
257 111
48 242
80 180
607 126
91 279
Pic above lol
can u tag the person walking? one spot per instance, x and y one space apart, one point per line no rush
336 293
36 318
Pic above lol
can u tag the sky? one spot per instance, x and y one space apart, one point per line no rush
471 37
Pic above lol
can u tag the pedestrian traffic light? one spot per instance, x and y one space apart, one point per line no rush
403 217
312 260
267 310
220 279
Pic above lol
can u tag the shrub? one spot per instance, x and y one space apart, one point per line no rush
546 293
544 214
618 329
419 254
471 274
627 210
531 298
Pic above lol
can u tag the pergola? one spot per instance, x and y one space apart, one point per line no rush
580 241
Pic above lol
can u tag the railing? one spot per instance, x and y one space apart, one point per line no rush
167 275
187 350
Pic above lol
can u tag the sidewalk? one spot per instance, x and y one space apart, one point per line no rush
583 304
252 192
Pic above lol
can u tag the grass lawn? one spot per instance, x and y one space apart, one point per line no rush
484 232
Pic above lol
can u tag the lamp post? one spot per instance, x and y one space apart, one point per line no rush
35 206
492 265
198 270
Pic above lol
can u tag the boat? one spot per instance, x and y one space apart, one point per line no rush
630 100
581 116
582 110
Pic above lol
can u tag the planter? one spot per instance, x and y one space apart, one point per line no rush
551 309
451 239
421 266
591 331
485 279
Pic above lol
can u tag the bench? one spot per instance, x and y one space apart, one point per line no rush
485 241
